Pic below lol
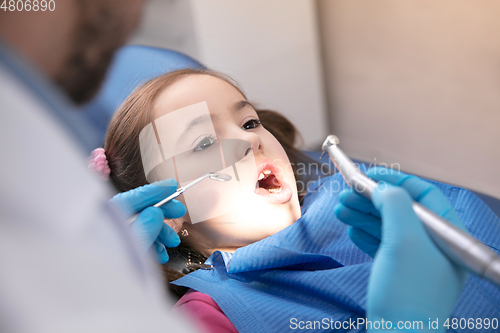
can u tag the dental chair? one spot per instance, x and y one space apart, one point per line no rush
131 66
135 64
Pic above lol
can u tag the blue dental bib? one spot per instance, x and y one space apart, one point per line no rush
311 276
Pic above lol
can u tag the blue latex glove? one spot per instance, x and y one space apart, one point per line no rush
149 228
411 280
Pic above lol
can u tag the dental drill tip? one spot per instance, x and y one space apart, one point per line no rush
330 140
333 139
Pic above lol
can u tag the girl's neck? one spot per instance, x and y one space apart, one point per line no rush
225 249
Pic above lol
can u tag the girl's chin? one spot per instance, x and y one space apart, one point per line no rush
240 237
254 227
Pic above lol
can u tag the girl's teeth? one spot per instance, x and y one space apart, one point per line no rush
274 190
264 173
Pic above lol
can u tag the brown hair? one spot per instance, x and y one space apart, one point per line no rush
124 156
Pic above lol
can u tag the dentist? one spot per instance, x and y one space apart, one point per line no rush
68 262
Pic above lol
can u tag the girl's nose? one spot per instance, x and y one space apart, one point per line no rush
255 143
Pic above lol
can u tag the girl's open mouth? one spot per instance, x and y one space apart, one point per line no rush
270 183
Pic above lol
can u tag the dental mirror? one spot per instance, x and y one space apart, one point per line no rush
221 177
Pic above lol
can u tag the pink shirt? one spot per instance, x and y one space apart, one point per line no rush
205 311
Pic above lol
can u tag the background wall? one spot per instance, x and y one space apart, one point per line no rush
414 82
417 82
271 48
168 24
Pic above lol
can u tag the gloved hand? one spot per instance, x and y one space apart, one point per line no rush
149 228
411 280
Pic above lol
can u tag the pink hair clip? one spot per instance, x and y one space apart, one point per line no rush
99 163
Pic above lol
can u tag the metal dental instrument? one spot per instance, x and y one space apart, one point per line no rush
222 177
219 176
458 245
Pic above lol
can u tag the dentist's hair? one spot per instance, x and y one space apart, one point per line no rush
123 152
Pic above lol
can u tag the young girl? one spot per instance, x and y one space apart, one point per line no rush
277 266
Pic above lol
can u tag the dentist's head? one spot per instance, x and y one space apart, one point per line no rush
74 43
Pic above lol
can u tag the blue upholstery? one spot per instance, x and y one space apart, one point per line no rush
132 65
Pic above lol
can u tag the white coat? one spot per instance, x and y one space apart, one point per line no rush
67 263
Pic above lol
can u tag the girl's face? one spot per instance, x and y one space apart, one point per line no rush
269 204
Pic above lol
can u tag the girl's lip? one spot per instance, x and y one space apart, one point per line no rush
280 197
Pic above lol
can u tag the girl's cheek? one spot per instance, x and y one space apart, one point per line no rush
274 144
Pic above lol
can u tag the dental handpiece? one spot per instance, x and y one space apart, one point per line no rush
459 246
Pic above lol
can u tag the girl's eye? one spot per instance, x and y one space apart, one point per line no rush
253 123
207 142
